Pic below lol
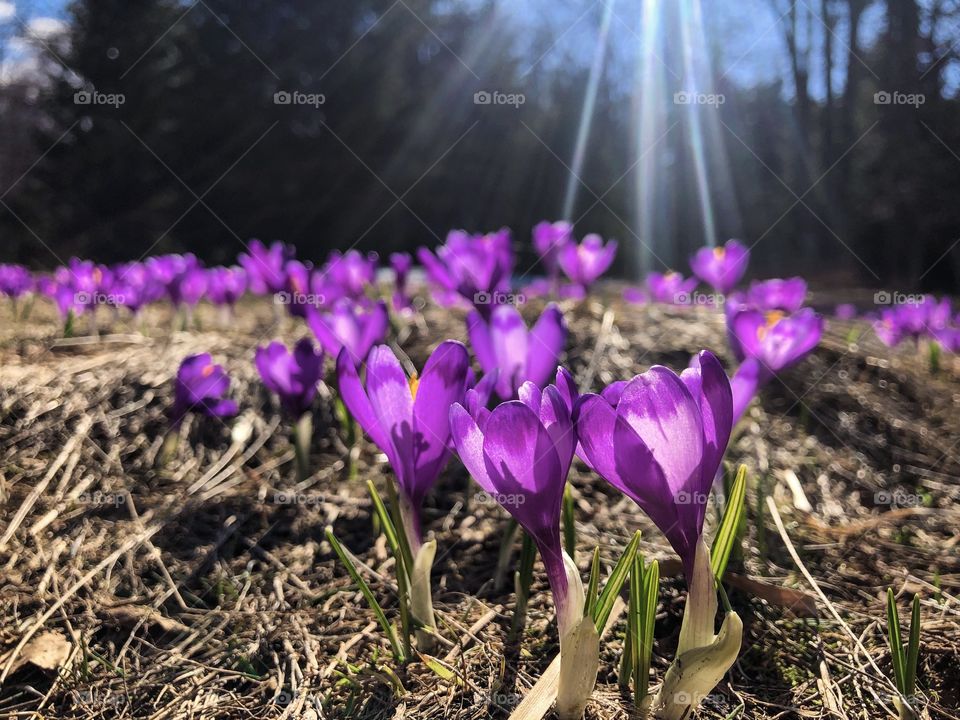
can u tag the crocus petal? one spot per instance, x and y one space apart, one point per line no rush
355 397
644 482
745 384
660 409
481 342
522 463
389 393
595 420
468 439
441 384
510 342
547 339
709 386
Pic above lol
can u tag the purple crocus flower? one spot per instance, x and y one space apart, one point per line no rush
351 325
61 293
520 454
471 266
407 418
785 295
768 343
549 238
670 287
189 286
401 263
585 262
888 329
201 386
15 281
845 311
352 272
721 267
293 376
504 344
225 286
266 267
660 440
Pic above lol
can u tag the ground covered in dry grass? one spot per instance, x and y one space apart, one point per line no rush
203 587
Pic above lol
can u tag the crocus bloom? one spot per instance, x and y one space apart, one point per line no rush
637 296
353 272
888 329
504 344
351 325
785 295
201 387
471 266
226 285
845 311
15 280
520 454
266 267
407 418
585 262
293 376
660 440
188 287
774 341
721 267
548 240
670 287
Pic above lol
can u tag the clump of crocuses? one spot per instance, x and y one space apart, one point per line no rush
407 418
660 439
293 377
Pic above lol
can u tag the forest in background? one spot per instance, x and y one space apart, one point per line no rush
145 126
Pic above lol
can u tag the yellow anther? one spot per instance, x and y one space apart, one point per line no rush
414 384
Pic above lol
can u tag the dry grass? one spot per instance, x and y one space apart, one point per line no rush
191 589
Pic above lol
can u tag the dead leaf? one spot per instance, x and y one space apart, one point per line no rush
47 651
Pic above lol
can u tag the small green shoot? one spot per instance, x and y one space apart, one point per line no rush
619 575
727 531
904 665
385 624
